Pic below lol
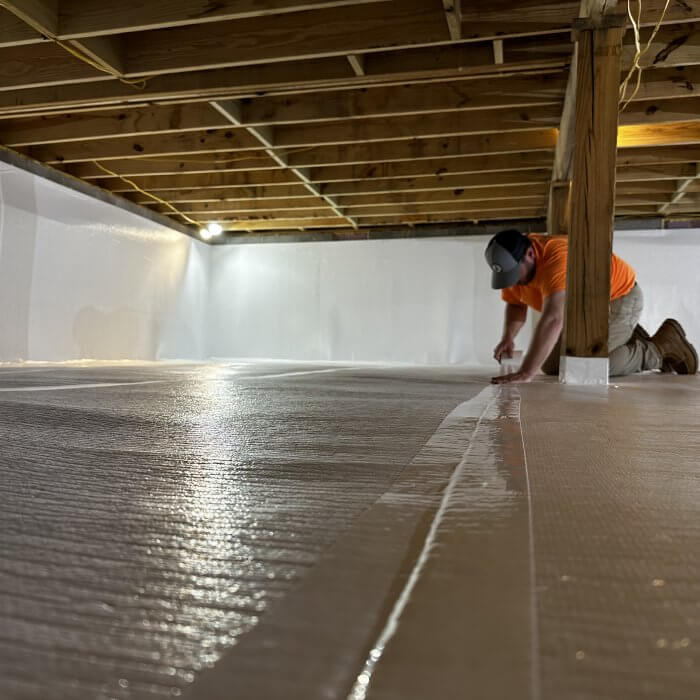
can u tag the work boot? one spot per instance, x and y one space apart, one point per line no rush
674 347
640 333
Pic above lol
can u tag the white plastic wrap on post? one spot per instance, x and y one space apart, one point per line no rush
583 370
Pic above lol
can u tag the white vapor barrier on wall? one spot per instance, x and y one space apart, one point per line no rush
424 301
81 279
667 263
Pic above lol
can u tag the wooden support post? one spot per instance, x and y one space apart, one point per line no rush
592 203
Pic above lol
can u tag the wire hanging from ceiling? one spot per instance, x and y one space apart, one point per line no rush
640 51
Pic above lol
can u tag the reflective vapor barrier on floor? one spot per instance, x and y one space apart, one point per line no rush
150 518
270 530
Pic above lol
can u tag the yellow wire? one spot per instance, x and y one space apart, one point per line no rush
139 83
148 194
639 51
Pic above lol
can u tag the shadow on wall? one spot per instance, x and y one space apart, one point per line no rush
116 335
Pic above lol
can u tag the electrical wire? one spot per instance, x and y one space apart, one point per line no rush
137 83
639 51
131 183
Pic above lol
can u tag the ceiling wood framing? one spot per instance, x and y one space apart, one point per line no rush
286 115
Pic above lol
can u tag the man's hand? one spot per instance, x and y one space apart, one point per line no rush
505 348
518 377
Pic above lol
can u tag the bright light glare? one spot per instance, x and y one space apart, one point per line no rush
205 234
214 228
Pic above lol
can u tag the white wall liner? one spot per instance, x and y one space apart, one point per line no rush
86 280
82 279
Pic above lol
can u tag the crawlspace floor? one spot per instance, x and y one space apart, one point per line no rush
268 530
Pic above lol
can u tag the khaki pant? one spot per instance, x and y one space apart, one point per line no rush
626 354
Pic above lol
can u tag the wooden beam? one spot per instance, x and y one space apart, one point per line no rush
357 63
557 208
220 170
659 134
479 21
105 51
231 110
669 83
482 20
436 167
249 210
453 15
454 216
636 211
297 223
592 206
237 194
656 173
253 180
15 31
684 207
90 126
258 183
645 187
682 192
397 211
658 155
330 32
661 111
399 66
44 64
40 15
413 126
272 224
478 93
196 116
225 162
628 200
491 144
491 183
498 51
458 194
673 45
494 180
377 232
478 206
160 153
81 18
185 143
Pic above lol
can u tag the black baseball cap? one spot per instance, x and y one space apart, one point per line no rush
503 255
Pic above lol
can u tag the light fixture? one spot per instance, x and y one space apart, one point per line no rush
212 229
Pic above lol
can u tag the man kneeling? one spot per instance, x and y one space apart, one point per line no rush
531 272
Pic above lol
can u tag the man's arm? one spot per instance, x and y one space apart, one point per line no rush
546 335
515 316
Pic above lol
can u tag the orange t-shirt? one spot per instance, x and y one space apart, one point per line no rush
550 274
